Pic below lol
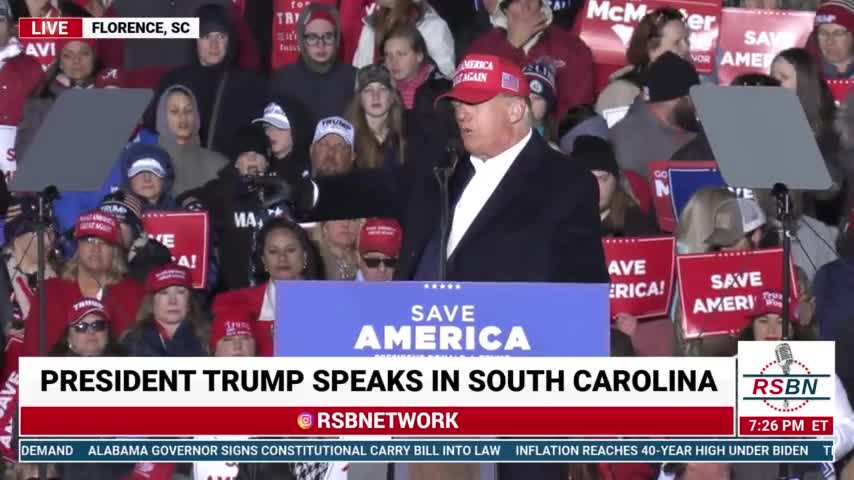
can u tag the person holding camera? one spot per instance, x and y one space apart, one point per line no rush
236 205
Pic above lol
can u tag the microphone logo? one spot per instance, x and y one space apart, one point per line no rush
784 360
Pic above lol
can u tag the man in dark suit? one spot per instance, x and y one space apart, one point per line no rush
519 211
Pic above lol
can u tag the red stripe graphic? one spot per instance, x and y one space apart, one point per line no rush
280 421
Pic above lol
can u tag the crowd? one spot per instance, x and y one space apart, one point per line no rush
375 98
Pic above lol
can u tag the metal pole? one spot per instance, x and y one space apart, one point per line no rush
41 226
40 248
784 215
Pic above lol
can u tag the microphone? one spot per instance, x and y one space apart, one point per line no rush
452 155
784 359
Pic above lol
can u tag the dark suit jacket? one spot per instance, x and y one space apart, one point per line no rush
541 224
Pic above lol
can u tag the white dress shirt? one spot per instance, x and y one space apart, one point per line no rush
487 175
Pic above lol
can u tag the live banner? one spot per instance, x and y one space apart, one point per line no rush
840 89
185 234
674 182
719 290
607 27
285 42
641 271
750 39
353 319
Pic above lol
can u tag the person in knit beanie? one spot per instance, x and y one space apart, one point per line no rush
144 253
834 21
319 78
541 82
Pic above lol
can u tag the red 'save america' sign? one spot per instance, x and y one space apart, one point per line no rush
718 290
607 27
641 271
185 234
750 39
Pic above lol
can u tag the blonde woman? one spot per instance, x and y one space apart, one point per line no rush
696 224
336 241
696 221
97 270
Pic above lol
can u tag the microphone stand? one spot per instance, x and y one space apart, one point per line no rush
784 215
45 197
443 173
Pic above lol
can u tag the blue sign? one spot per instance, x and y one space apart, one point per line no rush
340 319
684 182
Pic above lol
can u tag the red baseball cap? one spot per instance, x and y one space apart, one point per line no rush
771 302
168 275
86 306
382 235
99 224
481 78
231 323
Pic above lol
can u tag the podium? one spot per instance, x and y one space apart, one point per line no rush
443 318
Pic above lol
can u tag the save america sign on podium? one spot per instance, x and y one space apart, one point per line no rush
467 319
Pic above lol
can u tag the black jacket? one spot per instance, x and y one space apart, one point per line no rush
146 342
243 99
540 225
427 122
236 214
244 93
323 94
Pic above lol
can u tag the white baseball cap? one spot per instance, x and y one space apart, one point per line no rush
275 116
336 125
146 165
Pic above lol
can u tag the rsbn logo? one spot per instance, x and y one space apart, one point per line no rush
789 390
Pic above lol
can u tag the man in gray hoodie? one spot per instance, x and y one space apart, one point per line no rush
318 79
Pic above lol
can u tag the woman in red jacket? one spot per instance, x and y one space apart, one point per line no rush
282 252
97 270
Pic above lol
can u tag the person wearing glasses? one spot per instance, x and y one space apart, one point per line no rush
87 333
834 22
319 79
379 248
98 270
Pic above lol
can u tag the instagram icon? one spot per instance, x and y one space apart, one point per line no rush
305 420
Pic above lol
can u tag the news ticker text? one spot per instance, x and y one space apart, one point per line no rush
426 451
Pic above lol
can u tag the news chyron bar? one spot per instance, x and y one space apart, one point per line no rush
772 403
30 28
